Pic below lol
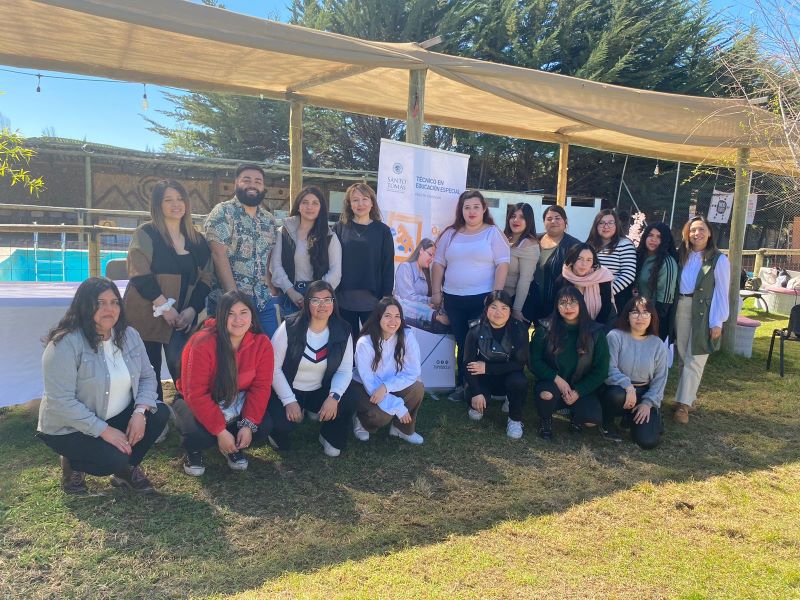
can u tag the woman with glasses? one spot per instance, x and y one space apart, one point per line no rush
412 287
569 358
702 308
306 250
583 270
637 374
553 247
616 253
313 368
495 355
386 387
657 267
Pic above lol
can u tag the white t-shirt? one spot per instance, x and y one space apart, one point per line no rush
470 260
119 390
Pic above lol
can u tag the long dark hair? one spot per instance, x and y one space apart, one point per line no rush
303 316
685 248
318 236
226 381
81 311
640 303
557 331
666 248
459 221
372 328
157 213
595 241
530 224
424 244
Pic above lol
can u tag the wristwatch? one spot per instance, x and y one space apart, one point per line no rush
141 410
336 396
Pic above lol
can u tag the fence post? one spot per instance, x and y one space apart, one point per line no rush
94 254
759 261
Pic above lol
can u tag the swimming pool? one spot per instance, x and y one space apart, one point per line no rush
25 264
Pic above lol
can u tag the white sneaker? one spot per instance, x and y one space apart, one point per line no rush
504 408
359 431
514 429
475 415
312 416
414 438
328 449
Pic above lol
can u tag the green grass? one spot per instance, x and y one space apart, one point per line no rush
714 512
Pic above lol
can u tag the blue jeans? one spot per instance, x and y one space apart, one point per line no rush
266 316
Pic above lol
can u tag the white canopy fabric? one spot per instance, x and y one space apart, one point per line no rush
197 47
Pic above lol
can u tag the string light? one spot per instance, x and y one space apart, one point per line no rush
38 83
145 103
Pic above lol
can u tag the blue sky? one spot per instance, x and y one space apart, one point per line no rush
111 113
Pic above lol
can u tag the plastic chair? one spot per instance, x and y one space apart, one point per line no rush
790 334
117 269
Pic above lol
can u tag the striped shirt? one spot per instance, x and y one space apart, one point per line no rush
621 262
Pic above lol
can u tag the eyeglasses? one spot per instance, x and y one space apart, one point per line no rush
554 218
567 303
606 224
640 314
320 301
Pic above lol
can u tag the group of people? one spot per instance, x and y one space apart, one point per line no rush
311 321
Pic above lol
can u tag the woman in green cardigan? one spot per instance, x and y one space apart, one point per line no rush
569 357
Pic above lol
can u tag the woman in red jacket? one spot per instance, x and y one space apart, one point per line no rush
226 376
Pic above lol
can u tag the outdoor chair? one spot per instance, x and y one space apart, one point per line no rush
117 269
790 334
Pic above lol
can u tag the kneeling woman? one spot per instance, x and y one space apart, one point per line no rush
386 386
226 374
637 373
99 408
313 368
569 358
495 357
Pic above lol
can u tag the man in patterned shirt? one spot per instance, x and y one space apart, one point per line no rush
242 234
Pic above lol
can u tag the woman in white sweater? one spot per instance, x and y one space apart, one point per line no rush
520 232
637 374
386 386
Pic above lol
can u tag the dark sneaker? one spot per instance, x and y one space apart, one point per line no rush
625 422
134 479
546 428
610 433
193 464
72 482
237 461
575 427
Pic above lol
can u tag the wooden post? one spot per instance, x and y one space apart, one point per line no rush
736 245
561 188
415 117
87 195
94 255
295 150
759 261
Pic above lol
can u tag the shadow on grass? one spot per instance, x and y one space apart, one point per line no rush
302 511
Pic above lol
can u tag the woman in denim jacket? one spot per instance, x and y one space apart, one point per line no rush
99 408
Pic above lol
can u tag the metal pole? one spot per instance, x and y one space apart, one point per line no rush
622 179
736 245
674 196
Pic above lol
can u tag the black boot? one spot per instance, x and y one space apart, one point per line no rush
546 428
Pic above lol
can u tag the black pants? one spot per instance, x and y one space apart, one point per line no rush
172 351
197 438
647 435
514 385
353 317
586 409
461 310
335 431
95 456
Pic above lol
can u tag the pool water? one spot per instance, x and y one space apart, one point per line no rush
52 265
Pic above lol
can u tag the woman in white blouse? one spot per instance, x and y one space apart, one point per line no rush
313 367
472 258
702 308
386 386
412 287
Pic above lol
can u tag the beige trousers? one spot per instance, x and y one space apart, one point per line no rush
691 366
373 418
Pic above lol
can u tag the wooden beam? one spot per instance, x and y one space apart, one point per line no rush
736 244
563 162
415 115
295 150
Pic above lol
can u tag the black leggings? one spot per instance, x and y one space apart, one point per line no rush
96 456
353 317
514 385
172 351
197 438
461 310
647 435
586 409
335 431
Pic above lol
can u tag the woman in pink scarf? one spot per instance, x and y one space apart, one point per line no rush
583 270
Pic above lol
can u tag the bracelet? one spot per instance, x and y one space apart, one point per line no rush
247 423
163 308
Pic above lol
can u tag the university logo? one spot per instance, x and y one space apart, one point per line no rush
397 168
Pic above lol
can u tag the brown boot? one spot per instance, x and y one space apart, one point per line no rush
133 479
72 482
681 414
